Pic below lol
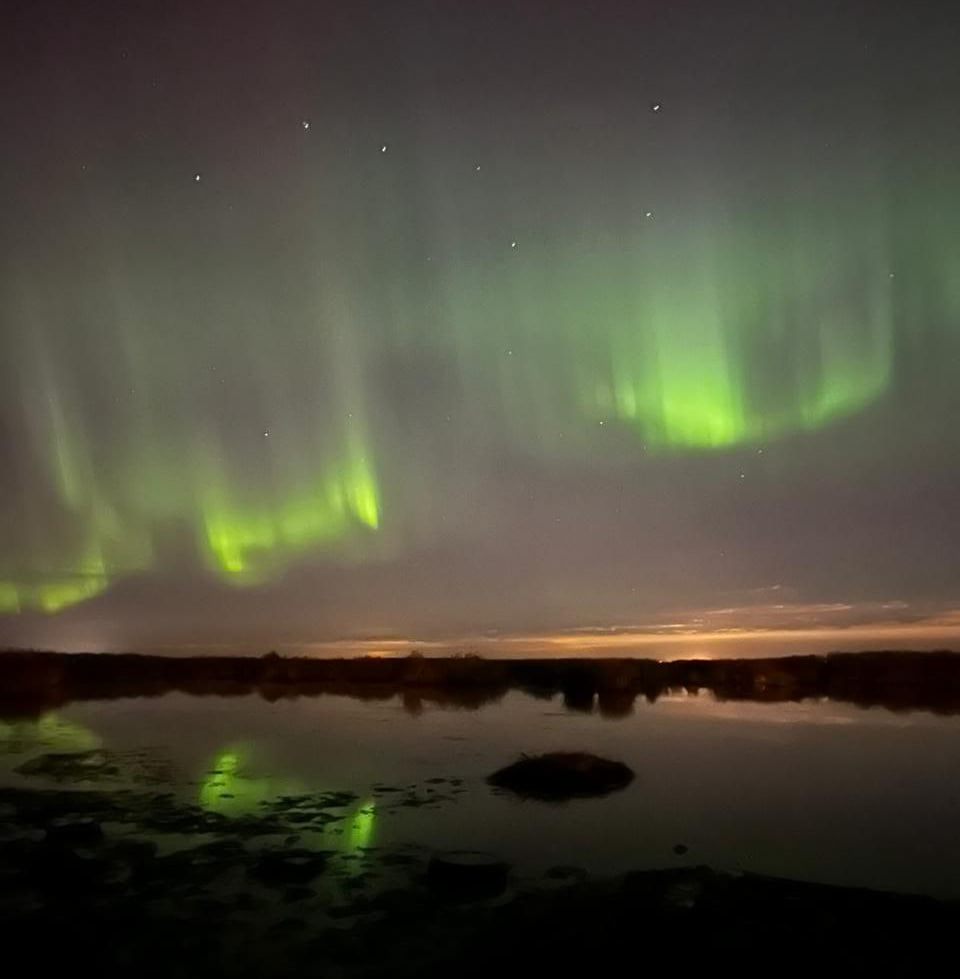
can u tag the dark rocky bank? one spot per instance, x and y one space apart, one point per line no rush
224 905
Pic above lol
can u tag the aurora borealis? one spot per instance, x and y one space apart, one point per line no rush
325 321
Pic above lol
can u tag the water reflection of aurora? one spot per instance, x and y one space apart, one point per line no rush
51 732
230 788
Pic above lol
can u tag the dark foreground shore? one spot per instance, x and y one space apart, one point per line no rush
37 681
114 871
83 880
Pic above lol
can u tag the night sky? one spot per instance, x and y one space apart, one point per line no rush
436 321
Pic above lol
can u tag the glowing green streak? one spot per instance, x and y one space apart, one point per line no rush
231 792
362 826
85 577
729 344
704 399
248 534
50 596
102 545
54 596
245 544
10 598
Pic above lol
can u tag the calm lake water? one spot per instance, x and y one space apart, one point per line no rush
822 791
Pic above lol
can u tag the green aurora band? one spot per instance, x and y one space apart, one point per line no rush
730 334
700 332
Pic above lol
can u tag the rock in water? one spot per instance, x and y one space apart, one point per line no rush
283 867
467 874
561 775
78 831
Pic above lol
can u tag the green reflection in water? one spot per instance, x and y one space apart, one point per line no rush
50 732
363 824
229 790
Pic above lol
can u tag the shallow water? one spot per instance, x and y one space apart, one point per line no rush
821 790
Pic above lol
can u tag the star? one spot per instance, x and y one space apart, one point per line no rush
196 178
383 149
305 123
648 214
656 107
513 244
266 435
477 168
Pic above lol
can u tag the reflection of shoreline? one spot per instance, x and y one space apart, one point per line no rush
33 682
